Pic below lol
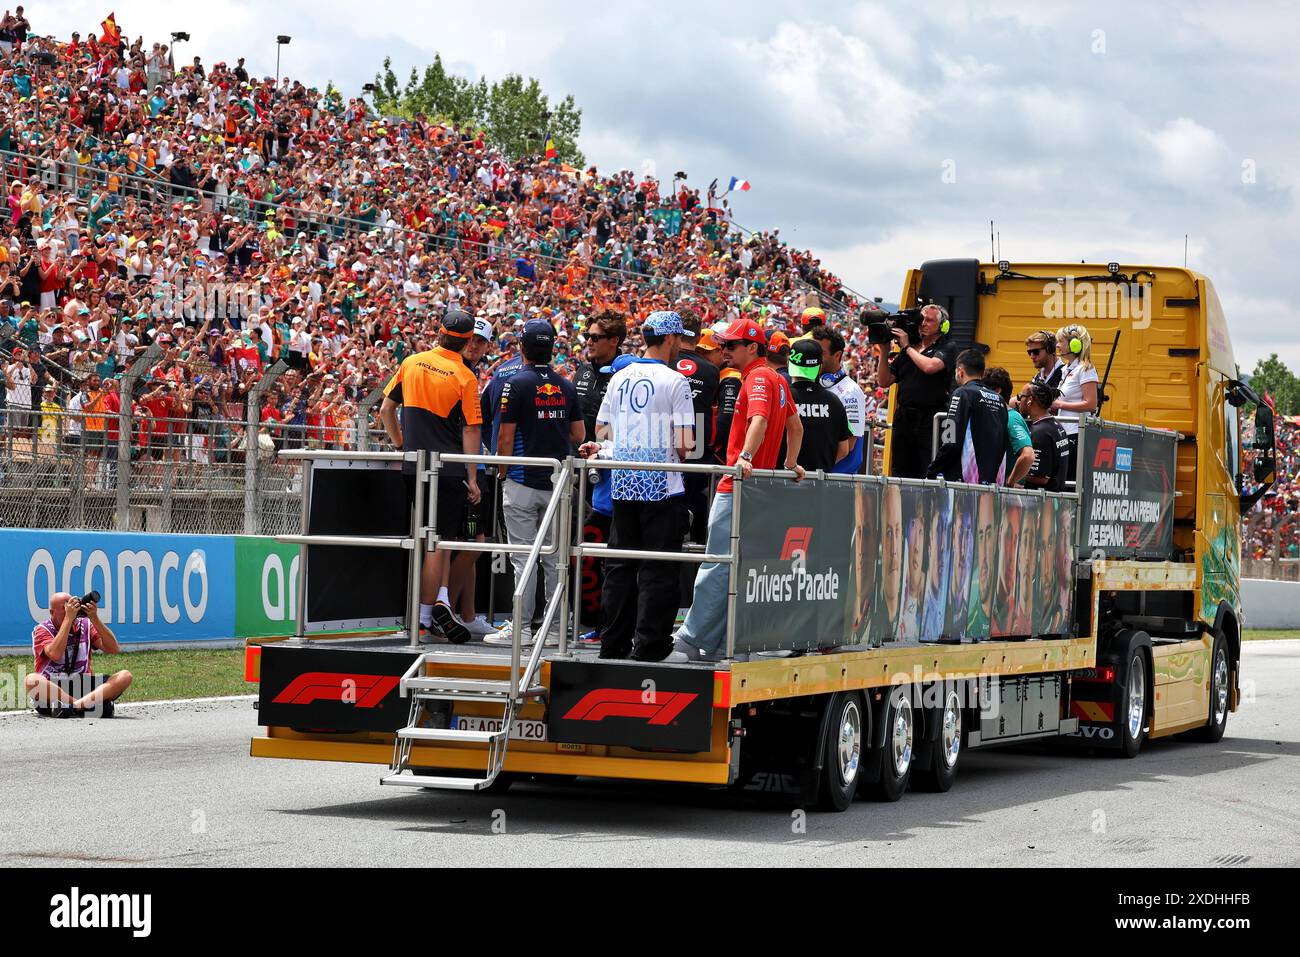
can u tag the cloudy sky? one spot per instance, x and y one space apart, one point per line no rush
873 134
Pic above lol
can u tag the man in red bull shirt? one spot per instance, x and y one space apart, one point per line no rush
765 414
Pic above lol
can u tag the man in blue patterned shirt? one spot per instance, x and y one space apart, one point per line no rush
646 416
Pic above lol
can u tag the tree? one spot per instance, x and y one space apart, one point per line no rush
1271 375
514 111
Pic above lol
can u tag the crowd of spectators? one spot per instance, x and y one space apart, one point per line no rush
235 221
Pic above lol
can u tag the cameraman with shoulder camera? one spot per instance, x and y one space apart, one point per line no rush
63 685
923 371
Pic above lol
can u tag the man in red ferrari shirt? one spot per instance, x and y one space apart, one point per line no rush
765 414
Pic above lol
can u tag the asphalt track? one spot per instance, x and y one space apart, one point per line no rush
173 785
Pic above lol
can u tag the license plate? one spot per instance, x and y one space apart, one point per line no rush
519 730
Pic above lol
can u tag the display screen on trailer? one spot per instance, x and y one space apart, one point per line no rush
870 562
357 587
1126 492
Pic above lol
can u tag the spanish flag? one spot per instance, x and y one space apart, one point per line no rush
552 153
111 33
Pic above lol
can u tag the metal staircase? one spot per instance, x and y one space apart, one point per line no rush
423 683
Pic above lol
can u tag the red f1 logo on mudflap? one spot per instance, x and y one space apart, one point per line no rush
661 708
797 543
1105 454
363 691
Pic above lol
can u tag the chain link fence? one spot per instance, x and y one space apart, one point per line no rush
62 469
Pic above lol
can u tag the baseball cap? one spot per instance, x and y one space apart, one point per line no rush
621 361
664 323
484 329
778 342
812 316
538 332
742 330
708 341
458 324
806 359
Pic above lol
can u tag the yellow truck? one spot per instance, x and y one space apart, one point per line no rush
877 628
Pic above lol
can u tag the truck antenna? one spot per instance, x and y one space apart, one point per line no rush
1101 394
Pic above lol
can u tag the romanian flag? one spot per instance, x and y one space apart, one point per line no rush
111 33
552 153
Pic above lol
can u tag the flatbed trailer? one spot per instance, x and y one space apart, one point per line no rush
813 702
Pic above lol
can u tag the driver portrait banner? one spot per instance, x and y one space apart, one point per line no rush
870 562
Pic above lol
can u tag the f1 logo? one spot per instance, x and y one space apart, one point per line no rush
1105 454
661 708
369 690
797 543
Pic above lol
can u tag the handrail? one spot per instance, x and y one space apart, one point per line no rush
525 580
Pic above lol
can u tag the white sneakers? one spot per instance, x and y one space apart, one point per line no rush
506 635
479 627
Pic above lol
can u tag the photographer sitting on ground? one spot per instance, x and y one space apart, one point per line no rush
63 685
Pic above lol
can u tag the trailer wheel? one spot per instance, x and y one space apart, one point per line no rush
939 773
1133 707
843 750
1220 693
894 758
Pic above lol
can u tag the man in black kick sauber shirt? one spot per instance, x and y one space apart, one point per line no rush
973 437
605 334
923 371
826 434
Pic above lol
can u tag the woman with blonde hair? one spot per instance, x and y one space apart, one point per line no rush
1080 386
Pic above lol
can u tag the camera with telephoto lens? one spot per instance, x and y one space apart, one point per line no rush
91 597
880 328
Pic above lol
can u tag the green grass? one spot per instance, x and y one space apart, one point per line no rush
203 673
158 675
1270 634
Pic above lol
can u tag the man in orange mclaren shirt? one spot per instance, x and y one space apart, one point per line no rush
438 396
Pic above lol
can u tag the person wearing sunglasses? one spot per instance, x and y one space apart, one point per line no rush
1048 369
605 334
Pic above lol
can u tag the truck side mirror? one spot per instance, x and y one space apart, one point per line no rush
1265 470
1264 438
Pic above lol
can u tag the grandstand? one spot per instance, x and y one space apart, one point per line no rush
250 260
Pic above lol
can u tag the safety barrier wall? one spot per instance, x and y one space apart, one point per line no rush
154 588
1270 604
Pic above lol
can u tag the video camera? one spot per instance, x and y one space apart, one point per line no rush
880 327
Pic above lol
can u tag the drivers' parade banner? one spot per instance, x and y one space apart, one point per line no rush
871 561
1127 492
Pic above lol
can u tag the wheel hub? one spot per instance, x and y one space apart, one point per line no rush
849 747
901 738
951 731
1136 698
1220 688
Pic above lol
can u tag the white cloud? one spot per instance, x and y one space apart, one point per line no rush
1190 156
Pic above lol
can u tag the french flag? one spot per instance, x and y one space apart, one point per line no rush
740 184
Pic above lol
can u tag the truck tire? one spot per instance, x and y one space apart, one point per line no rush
1220 693
844 746
940 771
894 758
1133 707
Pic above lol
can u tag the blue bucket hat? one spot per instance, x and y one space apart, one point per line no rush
664 323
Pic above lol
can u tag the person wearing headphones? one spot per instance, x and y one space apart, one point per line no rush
1048 369
1080 385
924 373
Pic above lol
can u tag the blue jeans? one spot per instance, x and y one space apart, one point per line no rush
705 628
